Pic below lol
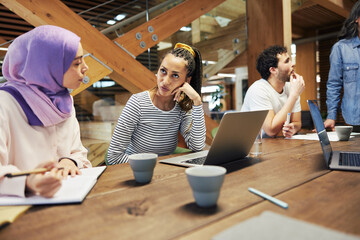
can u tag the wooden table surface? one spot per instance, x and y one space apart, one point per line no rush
119 208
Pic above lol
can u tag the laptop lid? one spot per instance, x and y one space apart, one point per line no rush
321 131
233 141
235 136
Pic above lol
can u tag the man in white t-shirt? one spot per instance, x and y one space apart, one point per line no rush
278 91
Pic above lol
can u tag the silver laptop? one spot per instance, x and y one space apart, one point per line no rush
233 141
334 159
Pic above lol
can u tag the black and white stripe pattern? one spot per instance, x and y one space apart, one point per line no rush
143 128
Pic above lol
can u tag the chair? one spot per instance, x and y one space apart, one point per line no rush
214 131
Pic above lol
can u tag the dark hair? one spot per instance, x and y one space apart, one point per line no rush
267 59
350 27
194 70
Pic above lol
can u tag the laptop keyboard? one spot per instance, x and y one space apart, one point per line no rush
199 160
349 159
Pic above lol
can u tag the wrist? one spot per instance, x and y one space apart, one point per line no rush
197 101
62 158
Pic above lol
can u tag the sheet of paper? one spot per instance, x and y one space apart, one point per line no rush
73 190
313 136
274 226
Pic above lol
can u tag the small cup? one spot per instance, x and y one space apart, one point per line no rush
343 132
256 149
205 182
143 165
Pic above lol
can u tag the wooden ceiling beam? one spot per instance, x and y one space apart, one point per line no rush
165 24
340 7
38 12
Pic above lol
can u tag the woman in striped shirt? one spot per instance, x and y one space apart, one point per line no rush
151 119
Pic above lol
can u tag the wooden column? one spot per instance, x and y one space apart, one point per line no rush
306 66
265 28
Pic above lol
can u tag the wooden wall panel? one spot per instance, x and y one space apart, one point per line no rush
306 66
265 28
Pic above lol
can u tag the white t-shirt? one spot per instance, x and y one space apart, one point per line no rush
262 96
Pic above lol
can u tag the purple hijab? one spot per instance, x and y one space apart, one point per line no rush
35 65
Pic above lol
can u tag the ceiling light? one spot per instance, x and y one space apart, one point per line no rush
222 21
111 22
120 17
185 29
226 75
3 49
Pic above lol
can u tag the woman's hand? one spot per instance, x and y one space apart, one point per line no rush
288 130
69 168
189 91
47 184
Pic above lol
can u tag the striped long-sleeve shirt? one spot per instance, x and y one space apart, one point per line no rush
143 128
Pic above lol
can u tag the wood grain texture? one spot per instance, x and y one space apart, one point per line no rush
118 207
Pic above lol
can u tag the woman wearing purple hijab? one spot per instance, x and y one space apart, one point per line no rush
38 127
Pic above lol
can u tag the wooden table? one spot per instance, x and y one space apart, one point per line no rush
119 208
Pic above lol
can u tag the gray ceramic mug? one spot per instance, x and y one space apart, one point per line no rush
206 182
143 165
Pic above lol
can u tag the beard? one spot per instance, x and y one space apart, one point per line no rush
284 76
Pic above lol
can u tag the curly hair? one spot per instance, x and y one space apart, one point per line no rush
267 59
194 70
350 27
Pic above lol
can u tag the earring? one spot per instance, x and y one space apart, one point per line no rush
86 80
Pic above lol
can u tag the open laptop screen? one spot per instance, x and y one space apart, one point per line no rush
320 129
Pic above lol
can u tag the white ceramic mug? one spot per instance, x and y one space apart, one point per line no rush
343 132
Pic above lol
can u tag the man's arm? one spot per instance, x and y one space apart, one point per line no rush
274 122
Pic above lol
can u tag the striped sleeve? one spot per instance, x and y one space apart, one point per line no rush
193 128
124 129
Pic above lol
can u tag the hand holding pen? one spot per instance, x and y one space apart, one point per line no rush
39 183
288 128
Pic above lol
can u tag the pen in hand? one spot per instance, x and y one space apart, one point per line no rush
288 118
267 197
26 173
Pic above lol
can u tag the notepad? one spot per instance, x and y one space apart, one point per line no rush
72 190
274 226
9 214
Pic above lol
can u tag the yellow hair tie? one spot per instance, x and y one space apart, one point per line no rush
186 47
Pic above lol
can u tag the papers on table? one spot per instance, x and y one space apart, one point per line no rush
273 226
73 190
8 214
313 136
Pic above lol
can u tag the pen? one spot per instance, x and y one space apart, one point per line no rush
26 173
288 118
267 197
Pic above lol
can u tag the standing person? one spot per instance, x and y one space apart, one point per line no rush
278 91
345 73
37 116
151 119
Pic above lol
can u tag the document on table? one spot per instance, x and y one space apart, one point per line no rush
8 214
72 190
313 136
274 226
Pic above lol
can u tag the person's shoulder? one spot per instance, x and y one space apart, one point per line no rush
343 43
6 98
139 96
258 85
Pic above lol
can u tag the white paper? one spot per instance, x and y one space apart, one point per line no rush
313 136
72 190
273 226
